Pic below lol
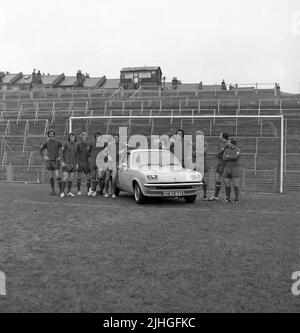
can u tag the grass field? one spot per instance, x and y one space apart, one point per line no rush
87 254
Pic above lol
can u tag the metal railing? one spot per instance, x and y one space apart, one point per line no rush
4 146
26 130
24 149
30 161
46 128
19 113
7 128
4 160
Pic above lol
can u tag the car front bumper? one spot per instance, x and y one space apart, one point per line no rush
171 189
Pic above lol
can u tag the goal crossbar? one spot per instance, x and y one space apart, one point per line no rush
279 117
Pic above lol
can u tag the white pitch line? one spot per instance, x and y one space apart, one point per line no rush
201 209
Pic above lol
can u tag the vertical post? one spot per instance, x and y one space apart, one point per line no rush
152 127
199 106
187 102
70 125
43 174
218 107
255 155
243 178
280 103
275 179
281 154
211 177
285 147
9 173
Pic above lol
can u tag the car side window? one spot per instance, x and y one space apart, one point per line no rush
128 160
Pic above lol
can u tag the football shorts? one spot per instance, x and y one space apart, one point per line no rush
231 172
220 169
53 165
69 168
83 167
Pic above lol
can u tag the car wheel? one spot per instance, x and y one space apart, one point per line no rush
138 194
190 198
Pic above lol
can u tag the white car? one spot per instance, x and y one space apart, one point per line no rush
156 173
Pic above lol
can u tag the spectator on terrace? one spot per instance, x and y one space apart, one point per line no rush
79 75
39 77
33 76
223 85
200 85
79 79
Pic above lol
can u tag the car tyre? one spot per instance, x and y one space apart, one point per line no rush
190 198
138 194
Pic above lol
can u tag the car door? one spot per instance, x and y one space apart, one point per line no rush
124 183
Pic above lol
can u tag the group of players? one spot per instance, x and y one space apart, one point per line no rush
80 158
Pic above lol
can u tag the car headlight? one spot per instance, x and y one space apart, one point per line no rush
152 178
195 176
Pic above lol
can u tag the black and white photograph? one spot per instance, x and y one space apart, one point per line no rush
149 159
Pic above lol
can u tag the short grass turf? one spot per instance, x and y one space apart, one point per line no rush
86 254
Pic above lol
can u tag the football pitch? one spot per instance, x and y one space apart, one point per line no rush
87 254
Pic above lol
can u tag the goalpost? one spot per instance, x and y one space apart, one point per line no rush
214 117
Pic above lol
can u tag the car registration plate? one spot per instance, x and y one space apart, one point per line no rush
173 194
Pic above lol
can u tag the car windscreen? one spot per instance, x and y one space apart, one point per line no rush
154 158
